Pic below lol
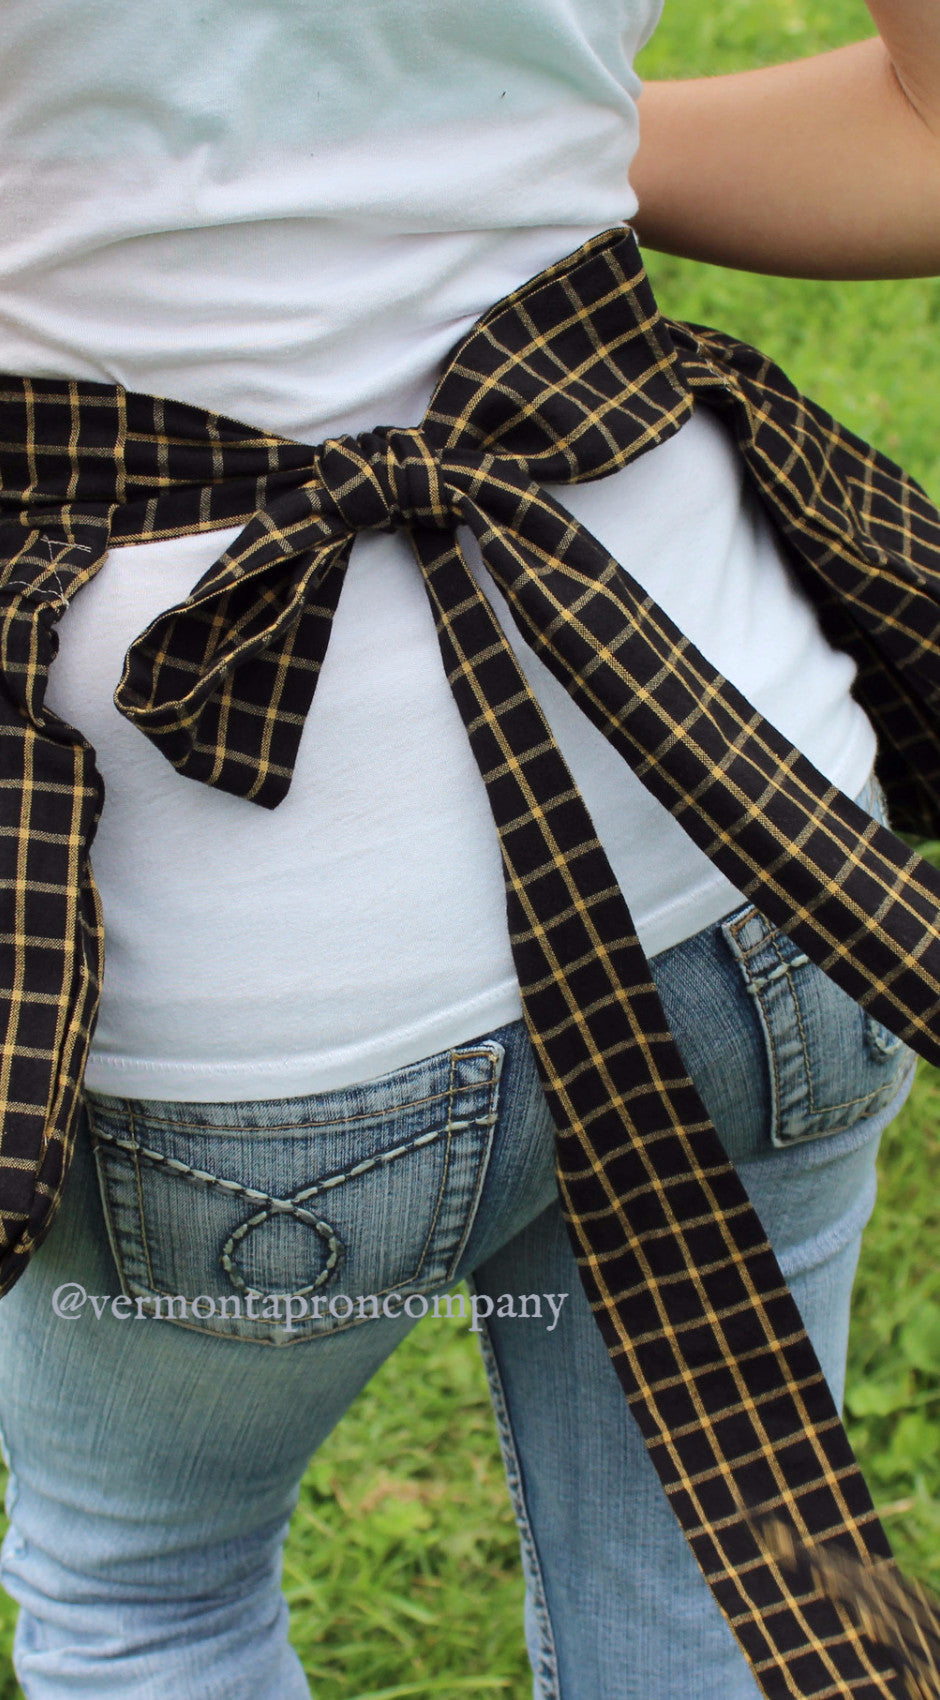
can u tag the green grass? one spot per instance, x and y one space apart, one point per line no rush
402 1567
893 1395
402 1563
866 351
415 1579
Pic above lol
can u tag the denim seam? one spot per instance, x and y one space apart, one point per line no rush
138 1183
287 1206
808 1092
491 1086
759 981
127 1106
547 1677
757 985
496 1073
875 1033
111 1227
450 1128
291 1207
325 1230
815 1110
13 1538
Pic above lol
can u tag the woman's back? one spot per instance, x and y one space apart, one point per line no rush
289 214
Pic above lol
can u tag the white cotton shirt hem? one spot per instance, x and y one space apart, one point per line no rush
299 1076
290 214
361 925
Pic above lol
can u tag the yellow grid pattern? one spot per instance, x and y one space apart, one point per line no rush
568 379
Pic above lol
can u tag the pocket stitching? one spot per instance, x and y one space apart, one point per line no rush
288 1207
880 1039
201 1177
484 1090
756 983
446 1171
138 1183
210 1129
865 1102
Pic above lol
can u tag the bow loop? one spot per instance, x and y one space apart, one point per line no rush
571 376
387 480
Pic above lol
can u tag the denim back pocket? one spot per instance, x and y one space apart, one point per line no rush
218 1213
829 1064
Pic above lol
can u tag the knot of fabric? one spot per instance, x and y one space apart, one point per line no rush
572 376
387 480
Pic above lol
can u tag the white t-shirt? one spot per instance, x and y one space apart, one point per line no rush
289 211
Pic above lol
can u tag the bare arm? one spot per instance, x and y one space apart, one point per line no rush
826 167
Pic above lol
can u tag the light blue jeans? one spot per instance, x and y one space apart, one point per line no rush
155 1464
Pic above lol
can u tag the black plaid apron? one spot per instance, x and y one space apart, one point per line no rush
567 379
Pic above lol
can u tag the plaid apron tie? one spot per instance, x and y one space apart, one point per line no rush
568 379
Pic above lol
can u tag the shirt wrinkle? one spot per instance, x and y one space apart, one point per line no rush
568 378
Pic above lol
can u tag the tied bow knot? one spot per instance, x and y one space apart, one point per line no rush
565 380
386 480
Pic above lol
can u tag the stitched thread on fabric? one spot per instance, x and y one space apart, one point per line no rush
292 1207
570 377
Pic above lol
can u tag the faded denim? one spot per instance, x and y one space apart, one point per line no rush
155 1463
